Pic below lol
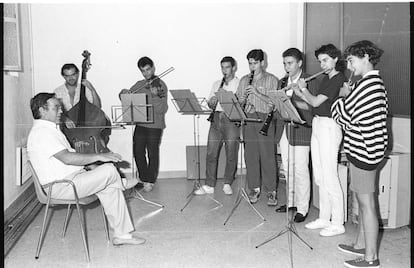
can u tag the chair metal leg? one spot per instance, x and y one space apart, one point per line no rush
66 220
39 243
82 231
105 223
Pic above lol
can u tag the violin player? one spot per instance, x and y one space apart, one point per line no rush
147 136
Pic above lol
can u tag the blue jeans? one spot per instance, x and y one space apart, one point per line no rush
222 130
147 143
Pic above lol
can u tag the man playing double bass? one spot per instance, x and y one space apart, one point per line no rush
69 92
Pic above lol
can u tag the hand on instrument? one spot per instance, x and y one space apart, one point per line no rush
302 83
160 92
251 90
69 123
87 84
212 102
296 88
270 106
344 90
123 91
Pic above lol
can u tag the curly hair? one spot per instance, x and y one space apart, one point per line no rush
332 52
360 48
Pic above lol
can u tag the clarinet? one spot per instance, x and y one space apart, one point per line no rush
250 83
211 116
266 124
269 116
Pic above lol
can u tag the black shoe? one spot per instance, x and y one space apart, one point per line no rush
299 217
139 186
283 208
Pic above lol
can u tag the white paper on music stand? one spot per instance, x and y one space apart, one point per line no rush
228 101
186 101
285 107
134 108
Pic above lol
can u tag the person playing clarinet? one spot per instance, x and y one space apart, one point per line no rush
222 130
259 149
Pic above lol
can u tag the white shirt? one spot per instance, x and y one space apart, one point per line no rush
62 93
289 92
231 86
44 141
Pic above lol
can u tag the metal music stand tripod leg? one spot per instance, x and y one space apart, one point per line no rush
197 184
290 226
137 194
242 192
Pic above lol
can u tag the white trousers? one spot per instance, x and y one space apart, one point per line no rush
299 178
325 141
105 182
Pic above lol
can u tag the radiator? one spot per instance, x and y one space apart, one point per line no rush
23 172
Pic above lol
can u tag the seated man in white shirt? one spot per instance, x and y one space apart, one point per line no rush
53 159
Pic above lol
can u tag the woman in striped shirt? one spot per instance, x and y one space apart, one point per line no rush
362 112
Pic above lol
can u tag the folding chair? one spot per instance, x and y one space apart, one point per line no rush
46 199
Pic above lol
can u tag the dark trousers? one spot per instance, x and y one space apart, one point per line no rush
260 155
147 145
222 130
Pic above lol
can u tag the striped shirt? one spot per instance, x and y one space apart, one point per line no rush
266 84
363 117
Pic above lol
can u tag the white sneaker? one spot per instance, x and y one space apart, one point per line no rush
148 186
227 189
205 189
318 224
332 230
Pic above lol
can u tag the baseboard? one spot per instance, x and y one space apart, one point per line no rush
18 216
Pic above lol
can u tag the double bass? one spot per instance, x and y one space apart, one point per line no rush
93 127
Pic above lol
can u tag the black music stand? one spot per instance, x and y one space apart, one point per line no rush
187 103
134 109
234 112
289 113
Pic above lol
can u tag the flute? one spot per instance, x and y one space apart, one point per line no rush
307 79
269 116
211 116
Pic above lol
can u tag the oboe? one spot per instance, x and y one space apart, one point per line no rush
269 116
211 116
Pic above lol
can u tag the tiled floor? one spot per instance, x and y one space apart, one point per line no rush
197 237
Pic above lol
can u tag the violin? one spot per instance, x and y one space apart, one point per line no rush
93 127
155 83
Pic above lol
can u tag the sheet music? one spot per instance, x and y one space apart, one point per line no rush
134 108
186 101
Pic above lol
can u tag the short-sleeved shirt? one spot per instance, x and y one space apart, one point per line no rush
330 88
44 141
63 94
231 86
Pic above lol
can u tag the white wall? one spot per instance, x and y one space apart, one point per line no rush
190 37
17 117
